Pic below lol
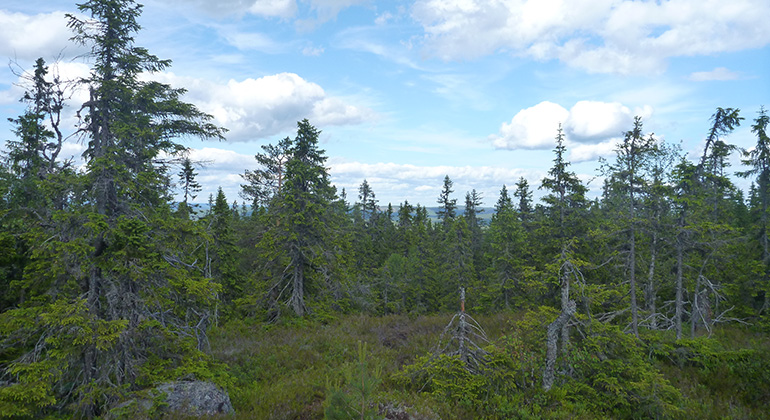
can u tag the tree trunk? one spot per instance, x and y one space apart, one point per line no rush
695 308
651 292
765 247
552 339
632 280
297 292
564 305
679 305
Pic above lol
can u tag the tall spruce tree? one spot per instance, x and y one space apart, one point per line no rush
524 196
758 159
190 187
506 253
301 222
119 303
566 197
368 203
627 183
565 203
447 205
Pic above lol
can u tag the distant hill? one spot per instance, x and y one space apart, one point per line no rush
201 209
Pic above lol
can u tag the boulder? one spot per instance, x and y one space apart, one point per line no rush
188 398
195 398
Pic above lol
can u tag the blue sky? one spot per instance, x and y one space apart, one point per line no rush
406 92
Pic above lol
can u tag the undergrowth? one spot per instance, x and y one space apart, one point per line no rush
298 369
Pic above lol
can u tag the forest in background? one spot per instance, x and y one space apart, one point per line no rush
649 301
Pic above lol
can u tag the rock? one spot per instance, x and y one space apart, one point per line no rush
194 398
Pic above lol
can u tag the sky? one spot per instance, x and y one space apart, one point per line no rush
406 92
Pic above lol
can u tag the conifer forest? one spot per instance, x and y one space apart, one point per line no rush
651 300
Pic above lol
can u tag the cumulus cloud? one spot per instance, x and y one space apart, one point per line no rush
589 121
588 152
602 36
275 8
531 128
394 182
391 182
591 128
27 37
253 109
718 74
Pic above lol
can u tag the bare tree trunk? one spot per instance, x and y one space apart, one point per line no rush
297 293
632 280
679 304
765 249
552 339
564 305
651 292
695 312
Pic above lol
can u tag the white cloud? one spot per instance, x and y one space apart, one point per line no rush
391 182
592 120
531 128
311 51
588 152
591 128
253 109
325 10
718 74
329 9
27 37
221 159
603 36
394 182
272 8
383 18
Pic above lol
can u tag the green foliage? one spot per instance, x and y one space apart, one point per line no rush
743 372
612 375
354 399
61 329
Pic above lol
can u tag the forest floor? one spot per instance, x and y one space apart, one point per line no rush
286 371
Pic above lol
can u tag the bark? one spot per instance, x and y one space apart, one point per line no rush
632 281
765 246
297 293
679 305
565 302
651 292
552 339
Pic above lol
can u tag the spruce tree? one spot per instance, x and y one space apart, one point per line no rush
758 159
628 184
447 206
121 304
301 220
190 187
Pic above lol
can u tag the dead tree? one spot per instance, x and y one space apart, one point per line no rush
463 334
552 339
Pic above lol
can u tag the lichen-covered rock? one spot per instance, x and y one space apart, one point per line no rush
195 398
192 398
